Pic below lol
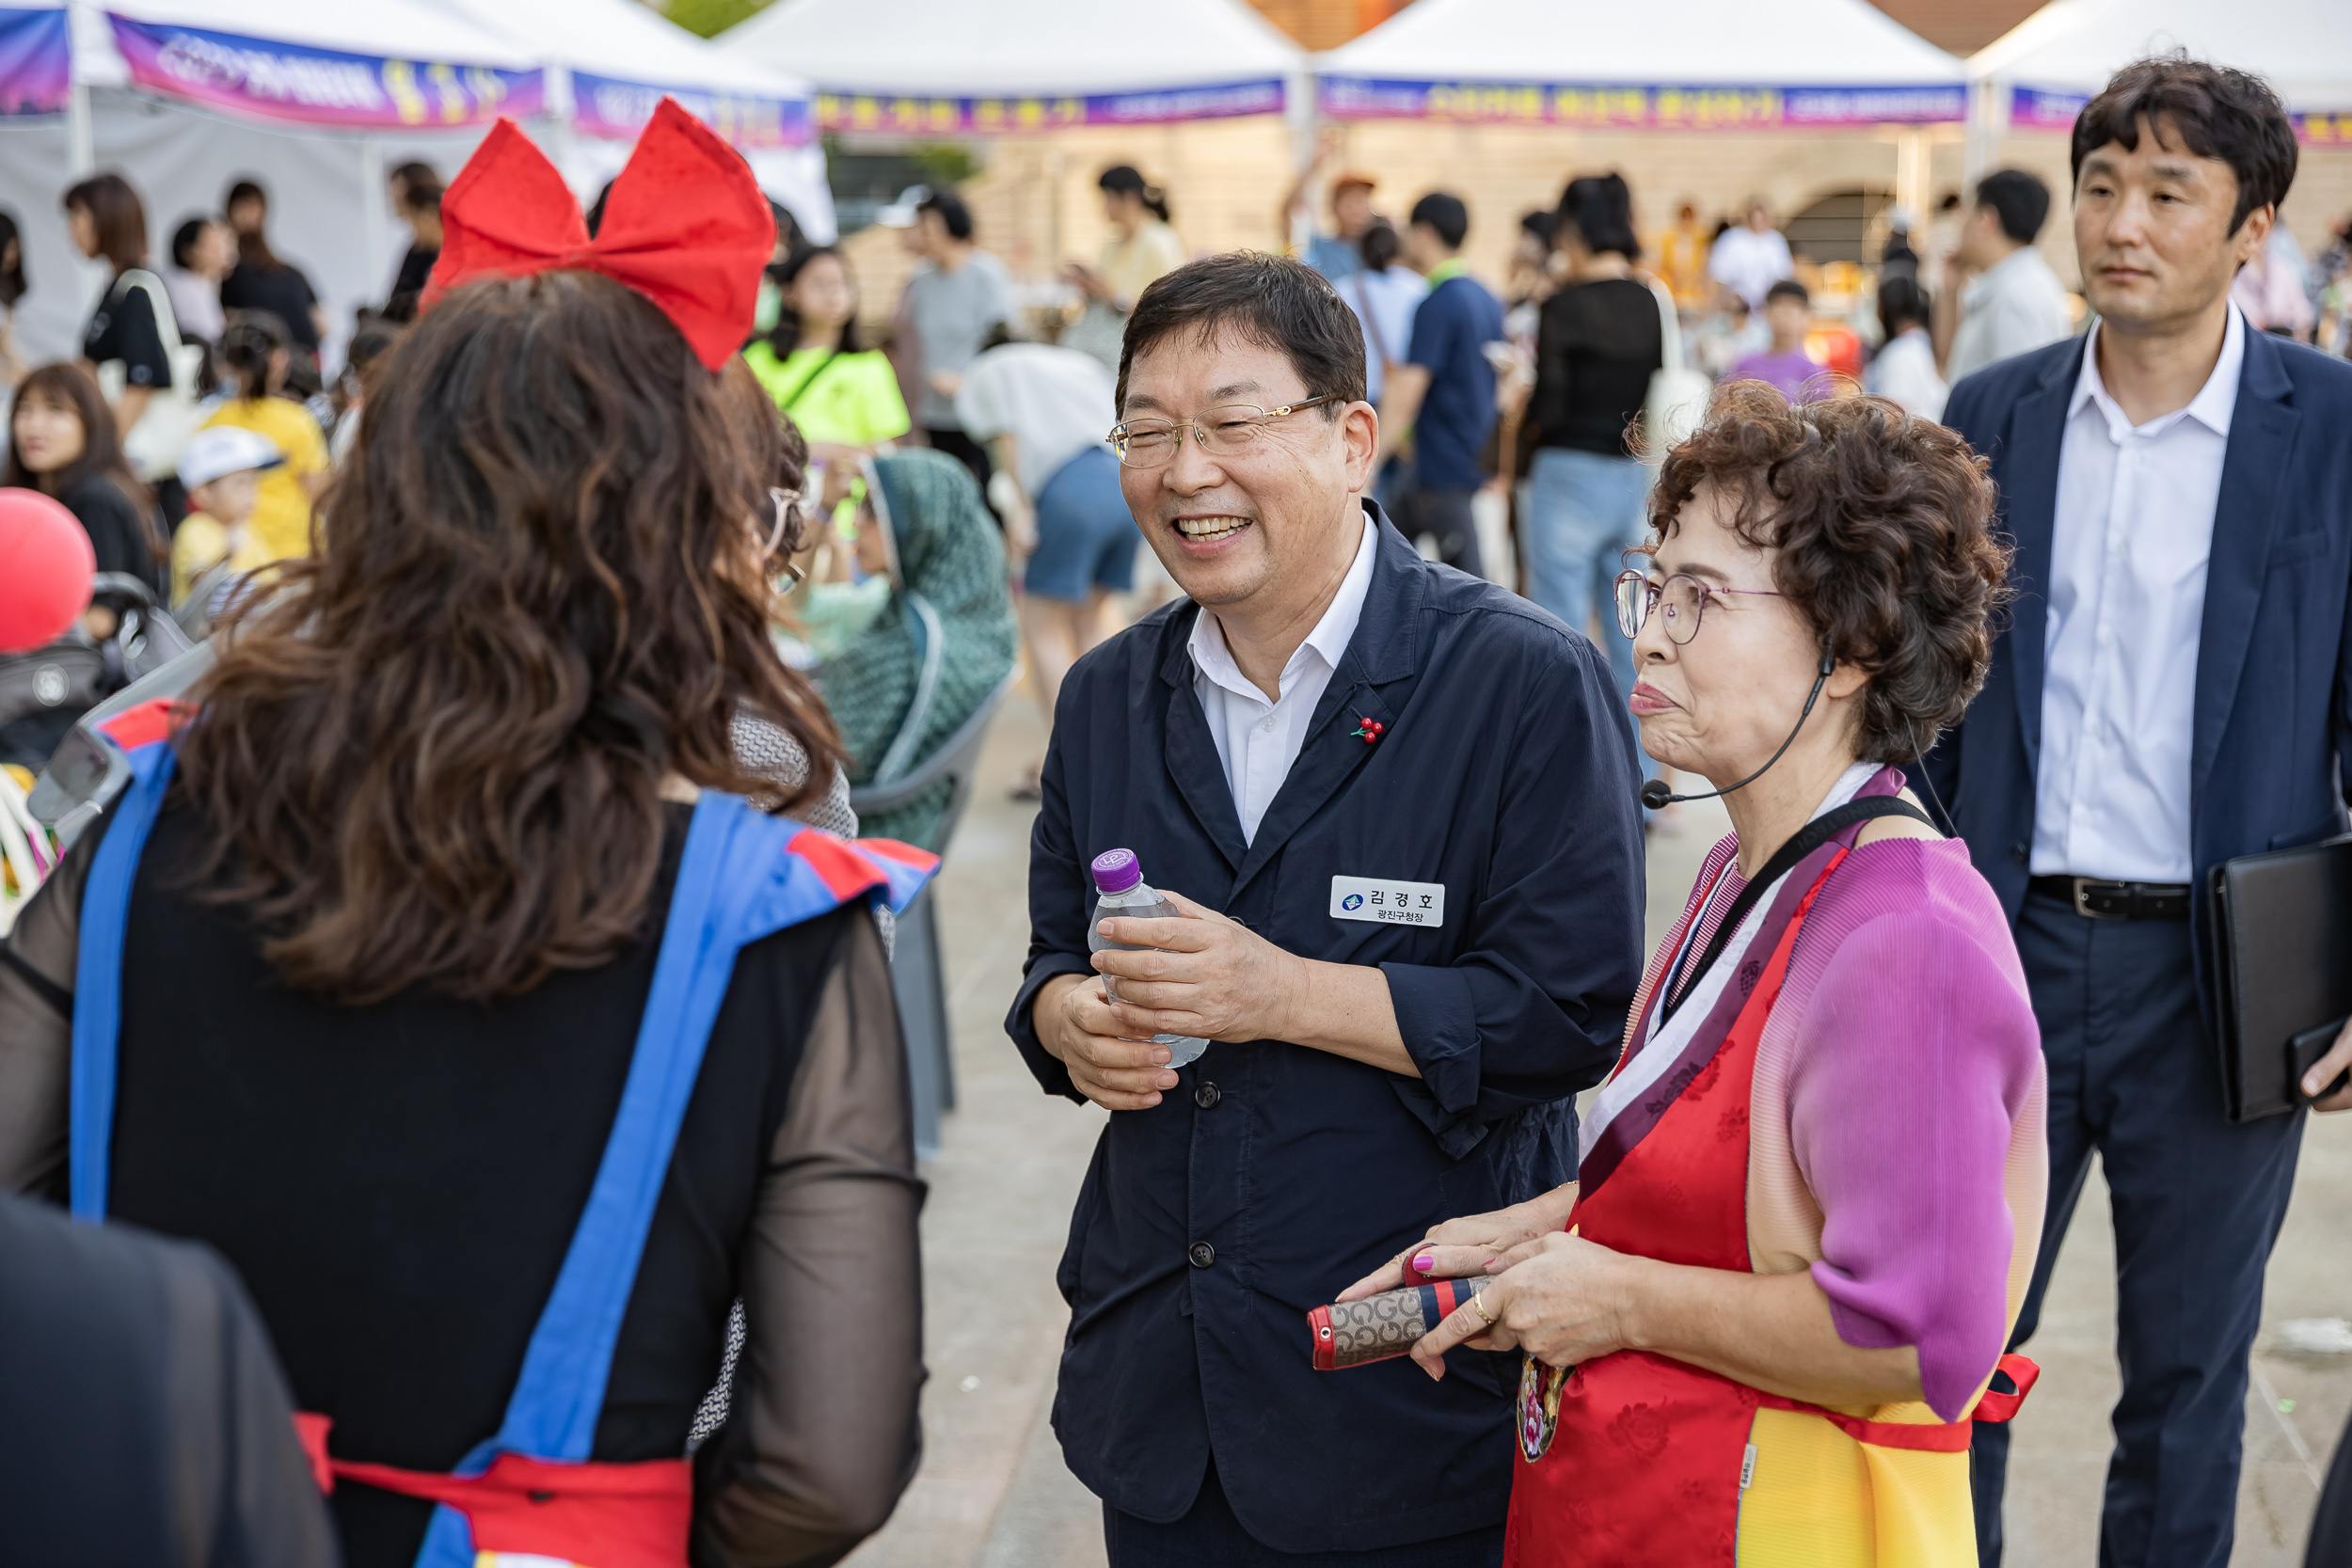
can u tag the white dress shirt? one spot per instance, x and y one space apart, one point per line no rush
1257 740
2132 533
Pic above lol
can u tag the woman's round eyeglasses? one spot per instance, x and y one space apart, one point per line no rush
1228 430
1680 601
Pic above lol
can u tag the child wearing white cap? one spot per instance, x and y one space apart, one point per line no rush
221 468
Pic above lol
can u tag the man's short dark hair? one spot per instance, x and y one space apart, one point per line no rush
1270 300
2218 112
953 214
1789 288
2021 201
1445 215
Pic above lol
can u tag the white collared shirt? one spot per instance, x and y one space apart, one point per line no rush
1257 740
2132 536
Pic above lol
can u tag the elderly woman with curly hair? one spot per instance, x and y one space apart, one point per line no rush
1757 1325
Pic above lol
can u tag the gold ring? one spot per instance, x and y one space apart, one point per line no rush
1480 1308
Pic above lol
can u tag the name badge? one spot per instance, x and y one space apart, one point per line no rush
1386 901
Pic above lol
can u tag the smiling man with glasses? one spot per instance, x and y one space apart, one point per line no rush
1397 803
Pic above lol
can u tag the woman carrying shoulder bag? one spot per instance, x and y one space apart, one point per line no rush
529 1045
152 396
843 396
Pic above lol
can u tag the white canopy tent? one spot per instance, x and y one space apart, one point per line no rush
611 60
316 102
952 67
1686 65
1829 62
2039 74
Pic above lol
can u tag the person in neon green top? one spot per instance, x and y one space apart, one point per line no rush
844 399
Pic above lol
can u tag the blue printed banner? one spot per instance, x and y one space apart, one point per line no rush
2040 109
35 62
296 83
1633 108
606 106
900 114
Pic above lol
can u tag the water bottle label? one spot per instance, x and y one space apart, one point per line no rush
1387 902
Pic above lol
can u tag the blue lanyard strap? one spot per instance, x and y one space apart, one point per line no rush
552 1414
98 979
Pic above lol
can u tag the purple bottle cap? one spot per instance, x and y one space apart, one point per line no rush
1117 870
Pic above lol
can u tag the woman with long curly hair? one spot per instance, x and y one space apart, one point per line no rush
1756 1328
436 971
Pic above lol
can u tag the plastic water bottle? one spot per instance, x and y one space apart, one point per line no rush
1118 877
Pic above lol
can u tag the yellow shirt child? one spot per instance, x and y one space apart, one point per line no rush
223 468
281 524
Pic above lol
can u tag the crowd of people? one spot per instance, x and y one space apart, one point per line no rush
488 955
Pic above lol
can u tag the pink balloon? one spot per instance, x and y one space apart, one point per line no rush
46 565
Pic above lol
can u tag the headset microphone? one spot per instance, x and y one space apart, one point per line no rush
1656 797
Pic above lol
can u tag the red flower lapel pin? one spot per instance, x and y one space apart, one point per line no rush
1369 730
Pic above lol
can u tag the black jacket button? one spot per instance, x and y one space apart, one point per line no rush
1201 1254
2017 853
1206 1096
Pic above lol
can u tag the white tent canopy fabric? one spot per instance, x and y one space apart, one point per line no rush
1076 60
316 102
1695 63
394 29
2058 58
612 60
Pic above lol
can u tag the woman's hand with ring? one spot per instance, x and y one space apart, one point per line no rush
1560 1297
1473 1245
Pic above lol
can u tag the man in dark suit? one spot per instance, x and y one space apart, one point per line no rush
143 1418
1400 802
2174 690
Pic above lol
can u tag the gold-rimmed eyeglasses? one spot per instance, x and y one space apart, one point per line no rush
1680 600
1228 430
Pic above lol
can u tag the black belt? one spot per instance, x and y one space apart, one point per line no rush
2117 900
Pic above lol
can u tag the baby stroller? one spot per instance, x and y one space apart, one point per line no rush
40 692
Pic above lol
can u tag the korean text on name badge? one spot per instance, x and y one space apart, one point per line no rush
1386 901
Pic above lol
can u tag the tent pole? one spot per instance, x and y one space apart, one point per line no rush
371 198
1912 152
81 145
1986 102
1302 108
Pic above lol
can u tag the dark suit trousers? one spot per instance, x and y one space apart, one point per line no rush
2197 1204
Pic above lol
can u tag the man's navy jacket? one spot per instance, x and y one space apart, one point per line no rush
1275 1175
2270 758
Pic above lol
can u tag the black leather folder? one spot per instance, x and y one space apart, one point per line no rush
2281 966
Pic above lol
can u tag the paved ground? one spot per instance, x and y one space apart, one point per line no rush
993 1492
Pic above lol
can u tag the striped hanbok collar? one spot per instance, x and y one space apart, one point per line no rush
1660 1060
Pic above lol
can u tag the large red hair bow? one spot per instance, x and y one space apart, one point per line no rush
685 224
